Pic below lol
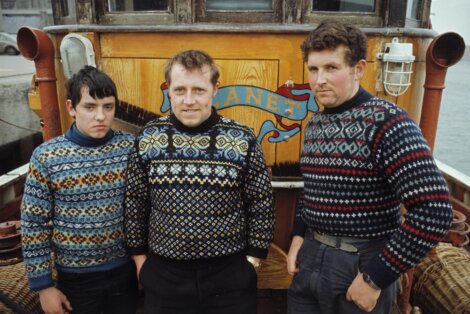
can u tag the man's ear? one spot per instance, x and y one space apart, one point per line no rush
360 69
70 108
216 88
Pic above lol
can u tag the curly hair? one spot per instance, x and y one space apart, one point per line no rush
331 34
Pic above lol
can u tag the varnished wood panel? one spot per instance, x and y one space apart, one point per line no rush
138 81
273 273
219 45
135 61
291 69
259 73
227 49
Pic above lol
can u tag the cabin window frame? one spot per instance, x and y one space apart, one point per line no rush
361 19
59 16
202 15
287 12
155 17
422 20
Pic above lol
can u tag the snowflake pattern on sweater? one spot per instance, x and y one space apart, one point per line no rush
73 203
198 193
360 162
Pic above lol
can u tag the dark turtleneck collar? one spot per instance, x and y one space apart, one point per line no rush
74 135
361 97
203 127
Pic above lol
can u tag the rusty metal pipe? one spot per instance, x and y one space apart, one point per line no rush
444 51
36 46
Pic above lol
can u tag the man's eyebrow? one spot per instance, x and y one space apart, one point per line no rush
89 104
177 86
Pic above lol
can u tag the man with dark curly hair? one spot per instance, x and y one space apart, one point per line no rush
362 158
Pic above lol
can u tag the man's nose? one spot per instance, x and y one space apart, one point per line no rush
321 77
100 113
188 97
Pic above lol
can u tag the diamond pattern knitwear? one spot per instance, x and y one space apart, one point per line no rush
360 162
198 193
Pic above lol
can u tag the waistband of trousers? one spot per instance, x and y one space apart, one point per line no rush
198 263
347 244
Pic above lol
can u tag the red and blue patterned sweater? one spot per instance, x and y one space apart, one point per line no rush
360 162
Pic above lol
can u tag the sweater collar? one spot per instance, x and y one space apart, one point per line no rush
361 97
203 127
74 135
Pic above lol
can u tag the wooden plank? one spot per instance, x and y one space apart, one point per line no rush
218 45
285 203
273 273
11 210
292 11
259 73
183 12
84 11
290 69
138 81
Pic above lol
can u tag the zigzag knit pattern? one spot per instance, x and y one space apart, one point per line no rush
74 194
201 194
358 166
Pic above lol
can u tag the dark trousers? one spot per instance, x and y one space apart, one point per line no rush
324 276
221 285
108 292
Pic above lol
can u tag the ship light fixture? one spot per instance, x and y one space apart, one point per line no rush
397 67
76 51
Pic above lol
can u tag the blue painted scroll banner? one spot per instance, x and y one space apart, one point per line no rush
290 102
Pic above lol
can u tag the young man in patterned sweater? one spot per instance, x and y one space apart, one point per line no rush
362 157
198 202
72 205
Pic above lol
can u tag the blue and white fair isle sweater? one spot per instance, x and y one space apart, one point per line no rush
198 193
360 161
72 204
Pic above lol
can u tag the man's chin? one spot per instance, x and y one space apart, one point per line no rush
190 123
327 102
98 135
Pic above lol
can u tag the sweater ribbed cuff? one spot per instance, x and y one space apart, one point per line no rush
141 250
380 274
298 229
41 283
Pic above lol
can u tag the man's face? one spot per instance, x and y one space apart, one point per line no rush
93 117
191 94
331 79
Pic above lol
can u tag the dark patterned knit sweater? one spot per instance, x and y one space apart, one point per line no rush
359 162
73 202
197 193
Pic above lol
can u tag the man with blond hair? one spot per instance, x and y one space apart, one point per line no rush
199 202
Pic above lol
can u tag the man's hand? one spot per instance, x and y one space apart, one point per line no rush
255 261
53 301
362 294
139 261
292 265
